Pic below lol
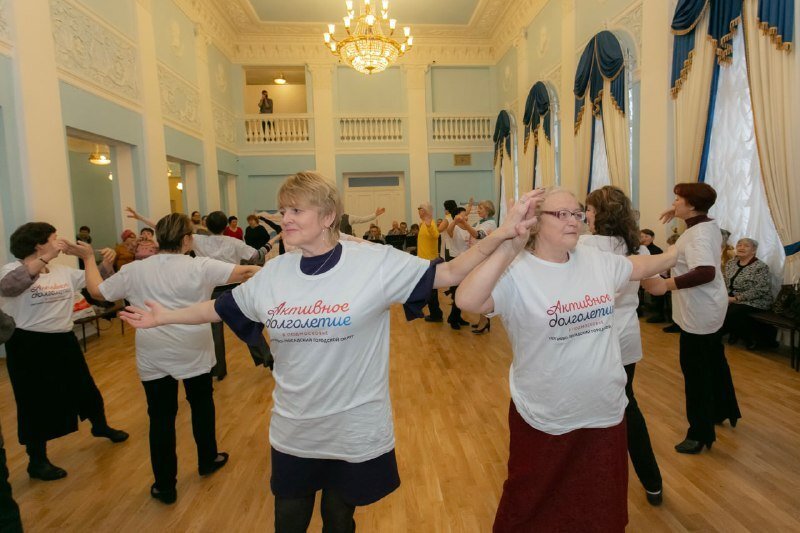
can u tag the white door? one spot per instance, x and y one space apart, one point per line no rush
366 192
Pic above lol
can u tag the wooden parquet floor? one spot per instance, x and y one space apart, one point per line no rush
450 397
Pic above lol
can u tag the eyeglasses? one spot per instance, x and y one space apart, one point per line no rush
564 214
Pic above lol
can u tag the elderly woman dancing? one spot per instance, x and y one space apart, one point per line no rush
567 467
326 307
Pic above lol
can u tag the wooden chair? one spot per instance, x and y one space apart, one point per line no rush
107 313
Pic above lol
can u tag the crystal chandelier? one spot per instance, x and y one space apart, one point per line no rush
366 48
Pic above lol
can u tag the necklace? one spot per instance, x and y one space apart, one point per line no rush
330 254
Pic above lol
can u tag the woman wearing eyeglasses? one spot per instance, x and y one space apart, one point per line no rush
567 466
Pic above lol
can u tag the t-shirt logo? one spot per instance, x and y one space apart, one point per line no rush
317 322
580 317
54 292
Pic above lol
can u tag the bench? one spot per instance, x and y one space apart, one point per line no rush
782 322
107 313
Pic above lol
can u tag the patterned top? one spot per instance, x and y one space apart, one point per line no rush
749 283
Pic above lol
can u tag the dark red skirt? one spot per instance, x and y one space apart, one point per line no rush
572 482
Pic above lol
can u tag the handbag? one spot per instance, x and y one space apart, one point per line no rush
787 303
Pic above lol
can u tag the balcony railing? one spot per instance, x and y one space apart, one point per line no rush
277 129
461 128
371 129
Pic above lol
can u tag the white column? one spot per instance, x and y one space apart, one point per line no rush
233 205
655 140
124 187
523 87
191 190
42 140
567 97
322 99
154 150
417 134
210 170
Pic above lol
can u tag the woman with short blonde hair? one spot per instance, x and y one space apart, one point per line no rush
326 307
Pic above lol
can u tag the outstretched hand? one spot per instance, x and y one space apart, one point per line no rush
521 216
143 318
131 213
380 211
667 215
80 249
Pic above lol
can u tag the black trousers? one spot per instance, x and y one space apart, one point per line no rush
261 353
162 408
639 447
433 304
10 521
710 396
293 515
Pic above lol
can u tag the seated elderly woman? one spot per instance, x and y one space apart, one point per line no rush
748 281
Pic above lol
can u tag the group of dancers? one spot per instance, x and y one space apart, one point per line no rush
567 302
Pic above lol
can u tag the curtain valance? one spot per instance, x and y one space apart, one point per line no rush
537 110
602 59
776 17
502 135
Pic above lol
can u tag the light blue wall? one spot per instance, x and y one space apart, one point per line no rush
544 41
378 163
505 76
355 93
460 90
259 179
92 200
227 162
118 13
449 182
85 111
12 199
222 78
175 39
183 146
590 20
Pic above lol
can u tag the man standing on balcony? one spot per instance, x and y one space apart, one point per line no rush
265 108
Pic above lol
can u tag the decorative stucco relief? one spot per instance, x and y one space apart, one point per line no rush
93 51
224 126
554 76
180 101
175 41
631 20
5 34
211 18
221 78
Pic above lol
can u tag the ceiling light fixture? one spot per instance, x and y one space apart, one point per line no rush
179 186
366 48
280 80
99 158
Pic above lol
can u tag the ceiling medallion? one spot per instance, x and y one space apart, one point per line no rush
366 48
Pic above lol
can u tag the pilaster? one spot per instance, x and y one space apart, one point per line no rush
417 134
210 170
322 100
569 180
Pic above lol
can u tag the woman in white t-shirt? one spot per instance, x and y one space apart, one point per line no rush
699 304
567 467
612 222
326 306
170 354
485 226
52 383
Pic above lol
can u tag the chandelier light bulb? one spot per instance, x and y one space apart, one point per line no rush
349 4
403 47
410 40
392 23
331 28
370 19
407 31
385 5
327 37
366 3
179 186
333 47
347 22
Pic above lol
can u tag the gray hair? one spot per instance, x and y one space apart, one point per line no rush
753 242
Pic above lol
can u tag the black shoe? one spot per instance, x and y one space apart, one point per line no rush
220 377
672 328
164 496
454 325
214 466
486 328
463 322
114 435
655 498
691 446
433 319
656 319
46 471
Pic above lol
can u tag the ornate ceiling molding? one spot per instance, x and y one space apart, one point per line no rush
212 21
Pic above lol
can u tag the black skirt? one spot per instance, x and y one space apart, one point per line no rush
357 483
52 384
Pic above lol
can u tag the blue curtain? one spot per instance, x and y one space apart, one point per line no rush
778 17
502 135
601 59
537 109
725 15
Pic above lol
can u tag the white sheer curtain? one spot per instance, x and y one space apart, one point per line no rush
734 169
601 176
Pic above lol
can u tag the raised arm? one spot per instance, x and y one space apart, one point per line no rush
18 280
138 216
515 229
93 275
242 273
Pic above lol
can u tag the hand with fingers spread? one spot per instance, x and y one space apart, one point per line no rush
108 256
667 215
80 249
143 318
520 216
